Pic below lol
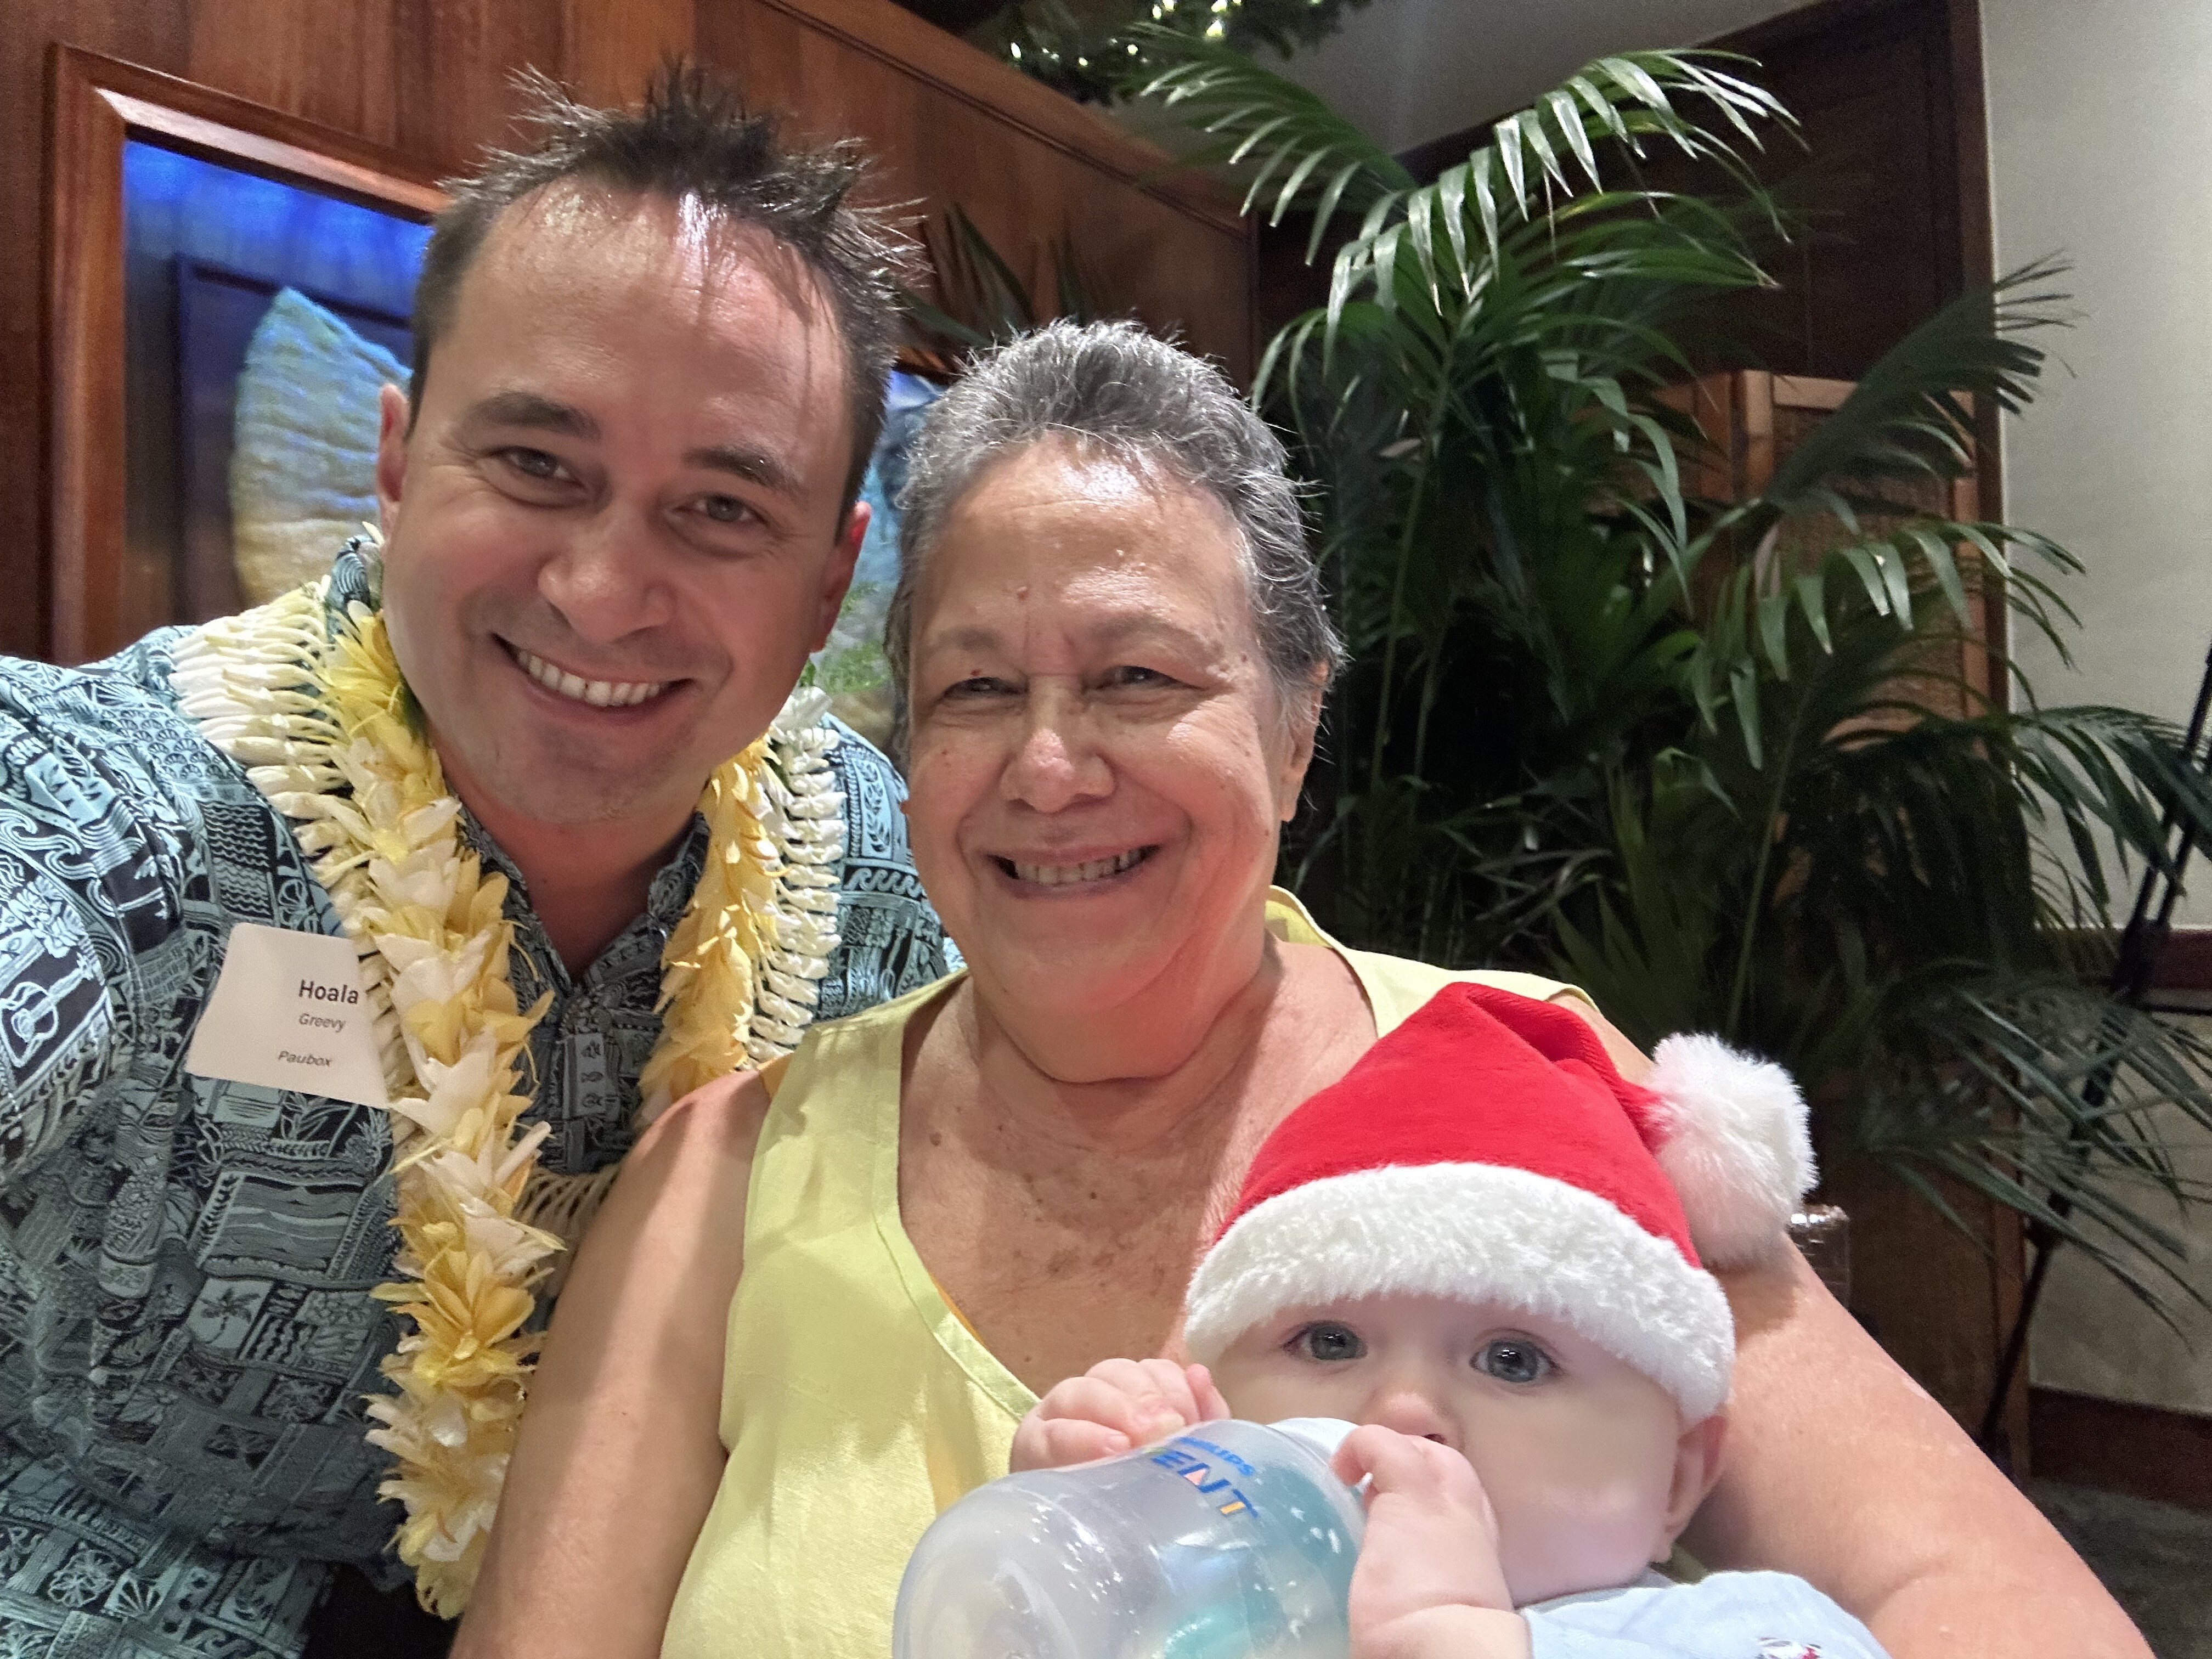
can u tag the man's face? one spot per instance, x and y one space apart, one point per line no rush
1587 1462
616 527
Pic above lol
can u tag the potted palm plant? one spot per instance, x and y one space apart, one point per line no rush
1712 759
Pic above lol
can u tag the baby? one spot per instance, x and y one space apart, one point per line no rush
1483 1246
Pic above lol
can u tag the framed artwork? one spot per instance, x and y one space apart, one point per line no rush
178 216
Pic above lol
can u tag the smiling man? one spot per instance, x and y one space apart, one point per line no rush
517 812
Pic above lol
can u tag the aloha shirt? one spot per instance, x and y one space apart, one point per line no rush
185 1326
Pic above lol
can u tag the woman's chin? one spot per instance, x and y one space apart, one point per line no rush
1054 970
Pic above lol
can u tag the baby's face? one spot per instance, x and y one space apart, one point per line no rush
1588 1466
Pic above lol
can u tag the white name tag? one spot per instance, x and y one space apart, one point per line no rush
288 1012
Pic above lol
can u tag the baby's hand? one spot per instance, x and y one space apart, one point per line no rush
1116 1404
1428 1578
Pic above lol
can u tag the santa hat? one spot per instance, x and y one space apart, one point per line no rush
1488 1150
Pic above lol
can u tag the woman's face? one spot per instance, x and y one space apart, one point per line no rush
1100 762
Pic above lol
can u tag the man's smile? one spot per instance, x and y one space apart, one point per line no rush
600 693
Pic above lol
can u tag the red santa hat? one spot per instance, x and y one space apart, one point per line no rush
1488 1150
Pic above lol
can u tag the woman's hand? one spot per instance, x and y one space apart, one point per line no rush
1428 1584
1115 1406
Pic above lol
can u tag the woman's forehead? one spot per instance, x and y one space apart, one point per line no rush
1093 534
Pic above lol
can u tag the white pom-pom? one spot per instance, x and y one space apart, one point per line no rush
1737 1146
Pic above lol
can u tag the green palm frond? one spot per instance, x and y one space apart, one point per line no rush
1722 763
1292 140
985 303
1545 161
1908 415
1994 1088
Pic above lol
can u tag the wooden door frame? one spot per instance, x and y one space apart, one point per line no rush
96 104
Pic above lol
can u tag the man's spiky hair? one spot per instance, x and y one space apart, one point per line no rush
692 140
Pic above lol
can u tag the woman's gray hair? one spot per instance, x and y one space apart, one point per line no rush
1113 389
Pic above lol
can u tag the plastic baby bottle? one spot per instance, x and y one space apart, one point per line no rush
1231 1540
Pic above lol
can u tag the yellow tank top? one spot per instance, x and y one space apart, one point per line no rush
855 1404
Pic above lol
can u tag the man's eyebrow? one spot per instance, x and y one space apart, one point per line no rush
528 410
755 466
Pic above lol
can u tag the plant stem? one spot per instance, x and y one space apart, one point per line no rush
1756 907
1409 536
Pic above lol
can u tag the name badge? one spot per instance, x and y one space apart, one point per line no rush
288 1012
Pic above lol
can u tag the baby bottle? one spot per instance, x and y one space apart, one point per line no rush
1230 1540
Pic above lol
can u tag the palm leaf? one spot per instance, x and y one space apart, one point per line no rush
1314 156
1705 757
1909 414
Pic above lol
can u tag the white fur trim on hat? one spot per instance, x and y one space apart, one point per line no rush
1472 1233
1737 1146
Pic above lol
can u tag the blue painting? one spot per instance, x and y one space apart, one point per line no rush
207 250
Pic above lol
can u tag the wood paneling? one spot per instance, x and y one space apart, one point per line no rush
948 124
2118 1447
1894 166
428 82
103 594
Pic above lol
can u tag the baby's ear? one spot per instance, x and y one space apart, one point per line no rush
1697 1467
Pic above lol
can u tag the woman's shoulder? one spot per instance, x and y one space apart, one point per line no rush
1425 979
1396 985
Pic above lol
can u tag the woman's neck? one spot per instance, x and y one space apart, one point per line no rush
1136 1078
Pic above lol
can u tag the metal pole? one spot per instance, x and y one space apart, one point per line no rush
2130 981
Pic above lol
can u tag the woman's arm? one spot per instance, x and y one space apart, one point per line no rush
1842 1470
619 1453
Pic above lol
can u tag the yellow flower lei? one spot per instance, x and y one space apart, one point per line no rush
319 717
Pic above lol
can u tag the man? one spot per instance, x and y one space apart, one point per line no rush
618 510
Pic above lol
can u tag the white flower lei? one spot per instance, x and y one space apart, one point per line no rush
318 713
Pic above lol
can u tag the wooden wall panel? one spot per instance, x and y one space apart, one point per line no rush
431 80
950 124
608 49
279 52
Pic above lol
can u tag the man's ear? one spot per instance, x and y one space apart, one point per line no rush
393 417
837 574
1697 1467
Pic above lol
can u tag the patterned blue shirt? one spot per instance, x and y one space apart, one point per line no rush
185 1328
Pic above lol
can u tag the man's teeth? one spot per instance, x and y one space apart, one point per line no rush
1063 875
600 694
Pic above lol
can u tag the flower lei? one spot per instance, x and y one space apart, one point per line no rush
314 707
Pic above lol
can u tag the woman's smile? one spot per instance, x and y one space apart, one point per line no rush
1063 874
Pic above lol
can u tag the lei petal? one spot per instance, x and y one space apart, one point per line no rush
319 715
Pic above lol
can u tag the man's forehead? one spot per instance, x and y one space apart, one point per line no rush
575 233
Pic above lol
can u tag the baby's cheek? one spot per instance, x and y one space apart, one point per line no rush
1573 1518
1262 1394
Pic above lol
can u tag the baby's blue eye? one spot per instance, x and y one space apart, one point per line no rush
1325 1340
1514 1360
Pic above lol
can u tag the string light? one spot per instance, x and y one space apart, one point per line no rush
1242 25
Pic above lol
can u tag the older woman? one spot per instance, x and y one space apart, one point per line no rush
819 1301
